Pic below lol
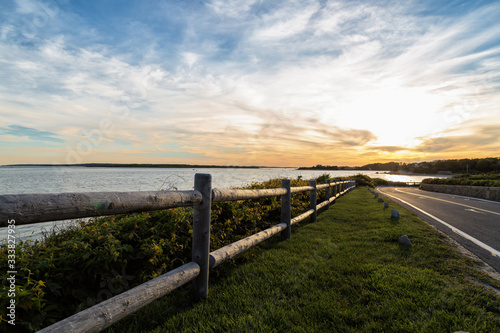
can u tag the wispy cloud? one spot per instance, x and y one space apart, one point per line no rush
467 137
31 133
285 22
231 8
242 82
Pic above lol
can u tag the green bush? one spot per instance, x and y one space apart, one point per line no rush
380 182
363 180
489 179
76 268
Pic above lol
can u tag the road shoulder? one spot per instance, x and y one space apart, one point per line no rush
483 267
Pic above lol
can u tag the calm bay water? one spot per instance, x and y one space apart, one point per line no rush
29 180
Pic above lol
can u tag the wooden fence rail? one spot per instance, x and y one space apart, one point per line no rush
34 208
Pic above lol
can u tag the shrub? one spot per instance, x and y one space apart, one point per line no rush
490 179
76 268
363 180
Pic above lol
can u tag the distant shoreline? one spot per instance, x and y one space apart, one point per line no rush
407 173
131 165
387 172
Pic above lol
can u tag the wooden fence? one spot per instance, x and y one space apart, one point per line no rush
34 208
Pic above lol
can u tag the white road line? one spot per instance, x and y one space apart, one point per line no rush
458 231
473 210
471 198
455 203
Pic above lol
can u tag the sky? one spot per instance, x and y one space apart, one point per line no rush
248 82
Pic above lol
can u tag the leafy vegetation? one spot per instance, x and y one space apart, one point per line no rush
344 273
76 268
364 180
390 166
473 166
491 179
478 165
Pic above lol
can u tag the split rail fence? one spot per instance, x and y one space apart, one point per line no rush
35 208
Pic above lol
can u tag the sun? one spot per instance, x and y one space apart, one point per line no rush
396 116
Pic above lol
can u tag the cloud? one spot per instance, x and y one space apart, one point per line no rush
389 149
190 58
231 80
231 8
285 22
465 139
31 133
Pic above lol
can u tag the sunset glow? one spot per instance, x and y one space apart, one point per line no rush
248 82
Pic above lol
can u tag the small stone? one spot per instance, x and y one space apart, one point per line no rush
405 241
386 205
376 195
380 200
394 213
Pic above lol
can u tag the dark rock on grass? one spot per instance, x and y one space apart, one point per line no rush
405 241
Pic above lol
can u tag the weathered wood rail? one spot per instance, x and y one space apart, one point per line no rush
35 208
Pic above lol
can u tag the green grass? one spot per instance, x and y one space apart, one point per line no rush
344 273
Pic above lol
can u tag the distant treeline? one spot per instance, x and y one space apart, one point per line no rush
112 165
328 167
473 166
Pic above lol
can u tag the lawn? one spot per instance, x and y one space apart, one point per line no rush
344 273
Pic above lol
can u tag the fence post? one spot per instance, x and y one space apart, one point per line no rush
334 191
201 234
286 209
313 200
327 194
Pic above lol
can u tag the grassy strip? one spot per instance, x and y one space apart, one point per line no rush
344 273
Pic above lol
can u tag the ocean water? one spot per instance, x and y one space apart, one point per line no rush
29 180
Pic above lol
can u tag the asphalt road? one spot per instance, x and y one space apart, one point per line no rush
474 223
